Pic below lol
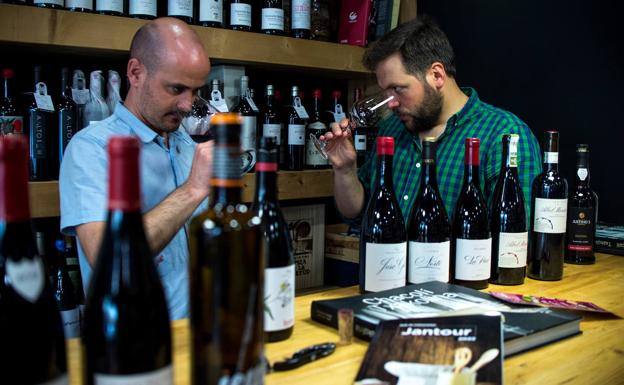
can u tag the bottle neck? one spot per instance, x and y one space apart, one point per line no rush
471 174
266 186
551 160
226 181
6 88
510 160
316 112
429 177
582 174
384 169
269 101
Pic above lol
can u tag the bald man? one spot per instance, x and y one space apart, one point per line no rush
167 66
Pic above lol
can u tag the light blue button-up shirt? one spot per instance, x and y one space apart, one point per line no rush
83 186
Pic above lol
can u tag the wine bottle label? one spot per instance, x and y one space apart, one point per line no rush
248 133
550 215
428 261
360 142
61 380
313 155
109 5
180 8
472 259
385 266
71 323
513 151
81 96
273 18
240 14
300 14
581 231
279 298
142 7
551 157
55 2
11 125
67 123
512 250
296 134
86 4
582 173
274 130
163 376
26 277
39 135
211 10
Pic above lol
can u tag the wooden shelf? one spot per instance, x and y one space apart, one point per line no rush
82 32
44 201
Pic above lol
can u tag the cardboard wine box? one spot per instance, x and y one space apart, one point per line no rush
354 21
342 256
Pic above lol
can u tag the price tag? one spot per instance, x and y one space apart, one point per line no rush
80 96
338 113
301 111
44 102
252 104
217 101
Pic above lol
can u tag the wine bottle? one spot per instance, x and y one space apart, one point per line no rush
65 294
316 127
127 331
279 273
272 20
581 226
226 268
110 7
141 9
472 241
33 348
79 5
429 229
271 121
296 119
113 94
43 165
73 270
360 135
248 111
58 4
67 114
80 95
300 19
549 207
336 113
383 237
11 121
211 13
96 108
181 9
319 20
240 15
508 221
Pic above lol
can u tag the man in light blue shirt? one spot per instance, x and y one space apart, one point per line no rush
167 66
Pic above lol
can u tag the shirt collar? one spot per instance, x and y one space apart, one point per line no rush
471 106
140 129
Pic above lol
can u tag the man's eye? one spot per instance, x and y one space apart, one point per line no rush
398 90
176 90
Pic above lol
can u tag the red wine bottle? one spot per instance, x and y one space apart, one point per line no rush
300 19
313 157
226 270
581 226
127 331
472 241
429 229
11 121
549 207
508 220
67 114
240 15
271 121
211 13
383 237
272 19
33 348
248 111
296 120
65 293
43 165
279 273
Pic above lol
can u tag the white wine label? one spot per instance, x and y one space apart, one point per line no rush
211 10
248 133
582 173
300 14
61 380
240 14
300 109
56 2
550 215
513 150
109 5
512 249
163 376
81 96
296 134
279 298
428 261
142 7
472 259
180 8
26 277
551 157
385 266
86 4
274 130
338 113
359 141
273 18
71 322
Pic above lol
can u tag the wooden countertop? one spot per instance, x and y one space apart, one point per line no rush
594 357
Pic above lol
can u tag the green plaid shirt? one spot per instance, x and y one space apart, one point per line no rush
475 119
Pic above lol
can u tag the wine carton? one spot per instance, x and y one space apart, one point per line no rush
354 22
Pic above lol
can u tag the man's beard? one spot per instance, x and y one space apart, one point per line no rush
426 116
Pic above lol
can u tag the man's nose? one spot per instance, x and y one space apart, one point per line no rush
185 103
394 103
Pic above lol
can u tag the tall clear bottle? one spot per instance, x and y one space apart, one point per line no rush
279 273
11 121
33 348
127 333
582 207
43 165
226 269
296 122
248 111
508 220
549 208
67 114
383 237
472 242
429 229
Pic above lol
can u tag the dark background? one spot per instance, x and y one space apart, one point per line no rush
558 65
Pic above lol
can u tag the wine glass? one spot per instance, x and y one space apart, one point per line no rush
197 125
365 112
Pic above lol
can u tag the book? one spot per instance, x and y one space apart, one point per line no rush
524 327
609 239
436 351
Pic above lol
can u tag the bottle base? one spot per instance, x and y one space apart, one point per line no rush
580 261
539 278
279 335
477 285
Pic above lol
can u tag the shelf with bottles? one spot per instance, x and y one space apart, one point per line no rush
44 201
101 35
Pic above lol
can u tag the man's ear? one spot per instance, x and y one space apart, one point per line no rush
136 72
436 76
